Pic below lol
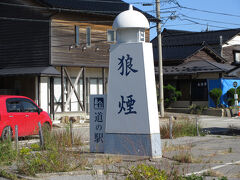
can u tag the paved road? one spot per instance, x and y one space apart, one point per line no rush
220 125
221 122
209 123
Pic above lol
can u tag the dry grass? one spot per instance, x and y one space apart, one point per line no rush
184 157
54 157
170 148
179 129
107 160
236 176
182 153
213 173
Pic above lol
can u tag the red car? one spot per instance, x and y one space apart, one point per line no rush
21 111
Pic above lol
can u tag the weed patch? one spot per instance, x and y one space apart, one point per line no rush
143 171
107 160
184 157
180 129
8 175
7 153
54 158
215 174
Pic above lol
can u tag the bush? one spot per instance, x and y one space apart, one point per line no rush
215 95
170 95
230 95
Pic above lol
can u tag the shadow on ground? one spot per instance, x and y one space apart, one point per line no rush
222 131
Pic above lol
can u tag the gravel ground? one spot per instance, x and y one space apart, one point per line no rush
221 153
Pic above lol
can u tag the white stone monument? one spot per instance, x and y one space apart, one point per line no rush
132 124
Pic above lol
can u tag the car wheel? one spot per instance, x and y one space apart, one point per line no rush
7 133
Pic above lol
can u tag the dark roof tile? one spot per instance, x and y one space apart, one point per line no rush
197 66
177 45
113 7
197 38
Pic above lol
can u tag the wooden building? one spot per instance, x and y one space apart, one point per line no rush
190 59
57 52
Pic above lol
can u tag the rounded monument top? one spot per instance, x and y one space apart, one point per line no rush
130 19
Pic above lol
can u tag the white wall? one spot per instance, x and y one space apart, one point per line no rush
95 86
233 41
44 93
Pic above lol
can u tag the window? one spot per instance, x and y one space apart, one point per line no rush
96 86
77 35
88 36
13 105
141 35
28 106
110 36
236 56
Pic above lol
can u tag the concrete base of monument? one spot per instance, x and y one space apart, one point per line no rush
133 144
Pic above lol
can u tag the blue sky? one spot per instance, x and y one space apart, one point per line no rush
175 17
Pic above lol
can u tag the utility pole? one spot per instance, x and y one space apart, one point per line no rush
160 72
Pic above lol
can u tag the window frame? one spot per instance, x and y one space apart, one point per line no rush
77 35
235 52
29 101
141 35
114 35
12 100
88 36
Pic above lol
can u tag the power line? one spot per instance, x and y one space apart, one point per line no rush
212 12
210 20
202 23
180 24
105 12
170 8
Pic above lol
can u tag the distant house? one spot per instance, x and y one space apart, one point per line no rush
47 47
191 60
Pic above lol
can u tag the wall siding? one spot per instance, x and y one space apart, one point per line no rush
201 55
24 42
63 36
228 52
